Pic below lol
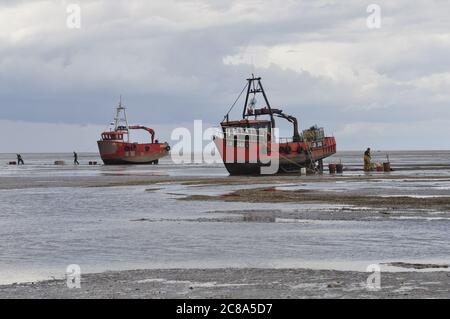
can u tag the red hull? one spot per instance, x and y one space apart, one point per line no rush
118 152
247 159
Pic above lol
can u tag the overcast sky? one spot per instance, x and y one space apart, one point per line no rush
177 61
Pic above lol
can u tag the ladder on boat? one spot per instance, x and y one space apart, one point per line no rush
311 161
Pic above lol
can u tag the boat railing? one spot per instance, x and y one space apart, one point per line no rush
245 136
261 139
282 140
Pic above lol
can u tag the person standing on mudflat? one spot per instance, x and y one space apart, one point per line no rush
367 160
20 160
75 159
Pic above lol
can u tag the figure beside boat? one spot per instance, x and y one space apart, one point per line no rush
249 144
116 148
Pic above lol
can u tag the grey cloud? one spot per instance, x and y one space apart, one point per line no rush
167 59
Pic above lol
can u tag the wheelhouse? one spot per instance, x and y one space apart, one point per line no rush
113 136
245 132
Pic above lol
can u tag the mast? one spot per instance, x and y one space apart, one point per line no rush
254 87
120 121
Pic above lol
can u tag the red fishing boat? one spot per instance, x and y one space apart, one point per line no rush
248 144
115 146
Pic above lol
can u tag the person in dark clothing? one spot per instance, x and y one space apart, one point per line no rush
75 159
20 160
367 160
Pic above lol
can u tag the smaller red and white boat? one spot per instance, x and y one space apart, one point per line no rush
116 149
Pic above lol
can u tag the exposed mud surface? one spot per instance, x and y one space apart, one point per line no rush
417 266
238 283
110 180
272 195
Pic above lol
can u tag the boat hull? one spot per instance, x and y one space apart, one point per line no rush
248 159
122 153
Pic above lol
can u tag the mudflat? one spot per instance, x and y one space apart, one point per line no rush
238 283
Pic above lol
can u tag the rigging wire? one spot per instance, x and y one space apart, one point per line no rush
232 106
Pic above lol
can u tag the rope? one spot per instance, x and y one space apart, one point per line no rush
232 106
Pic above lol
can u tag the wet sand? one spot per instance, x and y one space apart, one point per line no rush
238 283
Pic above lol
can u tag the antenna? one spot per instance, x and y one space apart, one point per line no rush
252 62
120 121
